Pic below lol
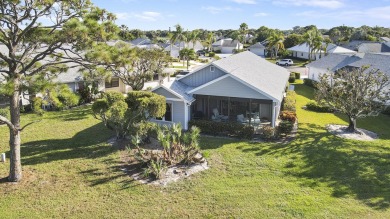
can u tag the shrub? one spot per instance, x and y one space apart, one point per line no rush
211 54
285 127
218 51
310 83
291 79
316 107
268 132
289 101
288 116
224 128
297 75
386 111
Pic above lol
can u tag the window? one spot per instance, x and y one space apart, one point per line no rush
114 82
212 68
301 53
168 113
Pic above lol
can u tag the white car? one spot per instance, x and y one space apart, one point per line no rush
285 62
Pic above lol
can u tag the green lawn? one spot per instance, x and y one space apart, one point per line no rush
71 172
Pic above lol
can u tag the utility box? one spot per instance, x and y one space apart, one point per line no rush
2 157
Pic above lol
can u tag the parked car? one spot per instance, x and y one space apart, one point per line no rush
285 62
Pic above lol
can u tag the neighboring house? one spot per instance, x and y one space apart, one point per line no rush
140 41
173 50
302 51
333 62
242 84
384 39
226 46
197 46
373 47
258 49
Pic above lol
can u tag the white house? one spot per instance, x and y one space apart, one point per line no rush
226 46
258 49
302 51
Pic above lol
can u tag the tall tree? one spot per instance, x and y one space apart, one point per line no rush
187 54
194 37
275 43
210 40
313 38
293 40
36 51
243 31
356 92
133 66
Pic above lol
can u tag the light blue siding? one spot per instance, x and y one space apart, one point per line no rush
229 87
202 76
178 112
163 92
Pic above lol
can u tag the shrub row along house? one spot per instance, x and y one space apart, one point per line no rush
241 86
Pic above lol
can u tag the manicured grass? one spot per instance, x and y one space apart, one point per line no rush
71 172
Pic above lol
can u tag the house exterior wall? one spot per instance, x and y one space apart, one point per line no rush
202 76
227 50
229 87
258 51
178 112
305 55
314 73
122 88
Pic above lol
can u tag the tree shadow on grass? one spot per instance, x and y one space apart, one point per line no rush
90 143
74 114
350 168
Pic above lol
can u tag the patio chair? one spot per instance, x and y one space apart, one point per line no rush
218 116
242 119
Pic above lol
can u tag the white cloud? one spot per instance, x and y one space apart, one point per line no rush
331 4
143 16
216 10
251 2
260 14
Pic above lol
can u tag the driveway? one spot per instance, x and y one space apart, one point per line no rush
298 69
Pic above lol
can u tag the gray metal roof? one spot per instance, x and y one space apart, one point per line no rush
333 62
257 72
257 45
374 47
141 41
230 43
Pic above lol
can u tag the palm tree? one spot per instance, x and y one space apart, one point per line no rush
313 38
179 35
210 40
187 54
193 37
243 31
275 43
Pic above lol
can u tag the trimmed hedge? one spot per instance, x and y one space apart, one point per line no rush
310 83
268 132
289 101
285 127
297 75
314 106
224 128
291 79
386 111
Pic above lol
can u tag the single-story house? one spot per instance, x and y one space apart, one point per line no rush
237 87
226 46
258 49
302 51
333 62
373 47
172 50
140 41
197 46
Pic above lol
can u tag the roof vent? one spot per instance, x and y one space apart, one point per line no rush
212 68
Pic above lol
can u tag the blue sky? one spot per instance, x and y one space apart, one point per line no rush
229 14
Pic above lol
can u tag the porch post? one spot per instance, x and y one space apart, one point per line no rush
186 116
273 114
